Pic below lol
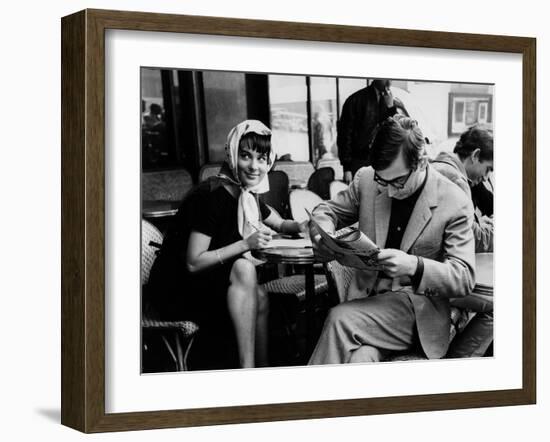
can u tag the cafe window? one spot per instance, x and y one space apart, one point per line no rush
323 117
186 115
154 137
288 98
224 106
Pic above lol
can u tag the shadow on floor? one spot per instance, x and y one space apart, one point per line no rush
52 414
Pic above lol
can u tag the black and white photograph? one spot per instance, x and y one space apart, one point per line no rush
270 221
298 220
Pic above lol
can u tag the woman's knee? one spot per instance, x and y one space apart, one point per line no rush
243 273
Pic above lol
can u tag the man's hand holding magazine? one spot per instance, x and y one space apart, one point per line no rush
351 248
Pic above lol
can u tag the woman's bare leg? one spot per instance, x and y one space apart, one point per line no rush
243 308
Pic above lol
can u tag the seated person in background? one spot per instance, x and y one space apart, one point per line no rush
154 118
482 195
468 167
423 223
205 272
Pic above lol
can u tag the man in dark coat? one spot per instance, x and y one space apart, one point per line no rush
362 112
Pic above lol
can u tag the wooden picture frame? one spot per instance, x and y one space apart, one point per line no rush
83 220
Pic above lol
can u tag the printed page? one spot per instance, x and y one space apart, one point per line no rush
352 248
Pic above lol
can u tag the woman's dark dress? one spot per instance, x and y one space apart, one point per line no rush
176 294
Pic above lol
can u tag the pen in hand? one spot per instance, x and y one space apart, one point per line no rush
259 239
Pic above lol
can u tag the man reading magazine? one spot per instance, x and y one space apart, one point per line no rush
422 224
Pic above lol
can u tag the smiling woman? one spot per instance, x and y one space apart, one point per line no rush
205 273
253 159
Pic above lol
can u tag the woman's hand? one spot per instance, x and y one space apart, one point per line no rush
303 227
258 240
267 229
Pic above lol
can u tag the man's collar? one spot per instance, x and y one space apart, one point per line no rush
452 159
430 188
378 94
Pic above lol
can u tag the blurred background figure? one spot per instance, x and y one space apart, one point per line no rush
154 117
153 133
324 138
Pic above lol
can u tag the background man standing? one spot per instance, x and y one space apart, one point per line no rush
361 113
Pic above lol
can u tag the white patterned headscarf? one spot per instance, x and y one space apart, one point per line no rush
248 216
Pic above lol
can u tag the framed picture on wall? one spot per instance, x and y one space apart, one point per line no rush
146 96
466 110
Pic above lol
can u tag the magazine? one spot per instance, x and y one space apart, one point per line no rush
352 247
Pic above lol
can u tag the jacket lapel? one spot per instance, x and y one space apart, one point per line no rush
382 211
422 212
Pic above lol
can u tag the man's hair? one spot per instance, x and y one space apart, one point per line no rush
393 135
256 142
476 137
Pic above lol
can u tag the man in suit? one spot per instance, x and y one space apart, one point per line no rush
468 167
361 113
423 224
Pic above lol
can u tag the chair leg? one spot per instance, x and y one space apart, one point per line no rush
182 356
170 350
185 368
179 356
179 351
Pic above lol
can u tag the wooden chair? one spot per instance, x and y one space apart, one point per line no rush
172 333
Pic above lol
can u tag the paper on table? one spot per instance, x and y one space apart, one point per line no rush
301 243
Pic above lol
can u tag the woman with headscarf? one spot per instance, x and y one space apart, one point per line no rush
205 272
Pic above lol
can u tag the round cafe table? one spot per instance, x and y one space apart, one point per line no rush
159 212
159 209
297 256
